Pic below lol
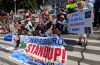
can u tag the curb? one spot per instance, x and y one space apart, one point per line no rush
5 50
5 45
91 37
89 40
1 38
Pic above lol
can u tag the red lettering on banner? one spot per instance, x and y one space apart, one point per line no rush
29 48
40 53
50 54
36 50
63 55
33 48
45 52
57 53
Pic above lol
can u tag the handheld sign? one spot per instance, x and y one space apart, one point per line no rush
71 6
80 22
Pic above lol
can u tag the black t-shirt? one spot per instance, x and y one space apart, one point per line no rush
48 25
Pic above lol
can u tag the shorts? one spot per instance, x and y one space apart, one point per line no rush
82 35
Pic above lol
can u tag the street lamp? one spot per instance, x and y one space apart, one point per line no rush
15 6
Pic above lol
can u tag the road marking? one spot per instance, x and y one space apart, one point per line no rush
2 41
93 41
71 62
90 47
88 56
6 47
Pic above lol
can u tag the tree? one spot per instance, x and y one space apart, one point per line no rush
8 5
33 4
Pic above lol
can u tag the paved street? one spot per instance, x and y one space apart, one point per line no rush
5 60
30 32
45 18
91 54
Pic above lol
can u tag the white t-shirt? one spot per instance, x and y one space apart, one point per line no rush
28 25
54 21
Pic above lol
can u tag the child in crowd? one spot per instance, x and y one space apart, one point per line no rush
18 31
21 31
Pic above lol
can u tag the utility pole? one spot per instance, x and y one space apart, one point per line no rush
55 7
43 2
15 6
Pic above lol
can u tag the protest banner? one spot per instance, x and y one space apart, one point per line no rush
36 50
80 22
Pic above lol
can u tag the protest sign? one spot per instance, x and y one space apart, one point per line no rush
80 22
71 6
41 51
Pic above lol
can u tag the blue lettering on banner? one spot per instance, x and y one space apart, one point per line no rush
74 15
76 19
75 29
53 40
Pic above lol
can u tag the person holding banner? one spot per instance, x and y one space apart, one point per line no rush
16 37
82 6
21 31
82 37
80 22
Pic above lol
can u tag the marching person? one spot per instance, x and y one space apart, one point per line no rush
83 37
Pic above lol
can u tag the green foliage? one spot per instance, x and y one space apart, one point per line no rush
7 4
33 4
20 4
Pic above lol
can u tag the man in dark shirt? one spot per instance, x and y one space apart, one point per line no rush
97 13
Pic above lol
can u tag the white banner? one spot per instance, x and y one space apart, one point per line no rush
35 50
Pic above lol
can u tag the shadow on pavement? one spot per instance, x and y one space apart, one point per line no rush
98 38
7 61
69 44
